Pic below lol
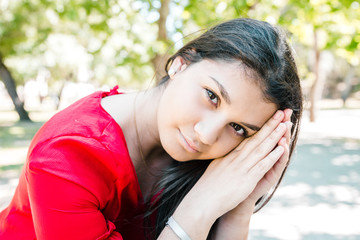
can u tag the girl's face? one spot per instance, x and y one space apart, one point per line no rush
208 108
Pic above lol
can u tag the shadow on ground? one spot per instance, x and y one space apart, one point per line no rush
15 137
18 134
319 197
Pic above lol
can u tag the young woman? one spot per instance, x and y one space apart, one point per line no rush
191 158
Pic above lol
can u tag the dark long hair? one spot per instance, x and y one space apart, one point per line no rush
263 50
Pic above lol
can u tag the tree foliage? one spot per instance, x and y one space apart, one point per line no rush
120 42
112 39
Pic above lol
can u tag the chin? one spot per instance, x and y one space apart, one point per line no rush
187 158
175 153
180 157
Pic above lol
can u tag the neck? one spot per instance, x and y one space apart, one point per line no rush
140 117
145 117
151 157
126 112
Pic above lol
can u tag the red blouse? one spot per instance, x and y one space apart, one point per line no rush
78 181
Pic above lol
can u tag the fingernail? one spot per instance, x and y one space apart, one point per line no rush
282 140
277 114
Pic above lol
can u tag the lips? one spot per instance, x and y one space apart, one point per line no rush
188 144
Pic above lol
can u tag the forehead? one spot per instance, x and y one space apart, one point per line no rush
231 74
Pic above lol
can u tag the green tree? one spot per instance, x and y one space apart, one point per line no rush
115 37
14 41
324 25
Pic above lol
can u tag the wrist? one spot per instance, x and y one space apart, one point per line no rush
241 214
177 229
234 225
195 219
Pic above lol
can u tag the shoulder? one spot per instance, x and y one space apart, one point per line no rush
80 136
86 117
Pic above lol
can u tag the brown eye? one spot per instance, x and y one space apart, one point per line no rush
212 96
239 129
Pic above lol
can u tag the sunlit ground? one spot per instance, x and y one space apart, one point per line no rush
318 199
320 195
15 138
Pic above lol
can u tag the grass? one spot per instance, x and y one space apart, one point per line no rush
13 167
17 134
15 138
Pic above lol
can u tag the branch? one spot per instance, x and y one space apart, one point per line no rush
164 13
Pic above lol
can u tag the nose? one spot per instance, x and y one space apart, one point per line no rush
209 130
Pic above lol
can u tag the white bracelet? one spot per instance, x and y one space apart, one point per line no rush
177 229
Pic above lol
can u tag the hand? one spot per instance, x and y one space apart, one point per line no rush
235 223
274 174
230 180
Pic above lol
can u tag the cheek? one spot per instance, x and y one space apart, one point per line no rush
180 103
173 109
225 145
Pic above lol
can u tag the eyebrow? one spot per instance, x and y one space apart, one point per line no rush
226 97
223 91
252 127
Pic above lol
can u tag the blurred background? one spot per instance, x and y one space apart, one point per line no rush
53 52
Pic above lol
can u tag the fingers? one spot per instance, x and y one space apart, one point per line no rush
263 166
282 162
278 157
270 125
274 164
270 142
288 112
265 148
288 132
279 166
253 142
273 175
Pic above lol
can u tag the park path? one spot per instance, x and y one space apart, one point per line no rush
319 197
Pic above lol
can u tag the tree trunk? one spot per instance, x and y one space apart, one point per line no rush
319 81
348 84
159 60
10 85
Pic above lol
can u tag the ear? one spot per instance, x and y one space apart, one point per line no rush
177 66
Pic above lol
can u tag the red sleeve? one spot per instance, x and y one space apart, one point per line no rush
69 184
